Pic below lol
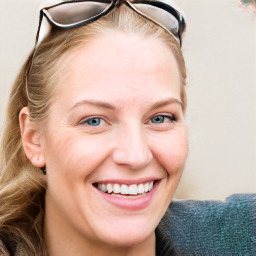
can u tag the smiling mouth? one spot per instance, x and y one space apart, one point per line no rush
124 189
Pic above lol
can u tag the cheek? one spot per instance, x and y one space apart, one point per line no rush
72 154
172 151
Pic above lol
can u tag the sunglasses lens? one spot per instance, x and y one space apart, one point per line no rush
160 16
73 13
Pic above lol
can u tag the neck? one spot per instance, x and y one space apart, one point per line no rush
62 240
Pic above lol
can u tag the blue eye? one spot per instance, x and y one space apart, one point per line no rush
94 121
161 119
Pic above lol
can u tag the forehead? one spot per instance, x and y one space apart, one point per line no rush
124 65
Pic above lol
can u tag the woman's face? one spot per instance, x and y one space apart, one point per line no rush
116 123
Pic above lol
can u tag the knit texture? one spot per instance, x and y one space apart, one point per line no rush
192 227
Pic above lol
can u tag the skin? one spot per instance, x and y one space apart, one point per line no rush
127 81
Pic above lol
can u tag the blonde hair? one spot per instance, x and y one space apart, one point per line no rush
22 185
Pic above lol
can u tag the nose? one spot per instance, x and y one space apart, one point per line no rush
132 149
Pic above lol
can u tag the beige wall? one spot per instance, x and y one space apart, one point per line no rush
220 50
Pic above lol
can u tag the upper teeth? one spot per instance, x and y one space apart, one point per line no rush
124 189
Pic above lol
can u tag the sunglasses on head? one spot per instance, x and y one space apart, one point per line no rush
71 14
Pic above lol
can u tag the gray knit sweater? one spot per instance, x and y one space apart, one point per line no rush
214 228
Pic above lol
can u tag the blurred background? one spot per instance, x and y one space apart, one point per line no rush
220 51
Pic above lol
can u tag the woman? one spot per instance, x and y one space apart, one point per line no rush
96 141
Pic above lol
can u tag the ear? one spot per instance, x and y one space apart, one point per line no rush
31 139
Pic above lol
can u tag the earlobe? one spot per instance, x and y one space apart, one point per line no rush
31 142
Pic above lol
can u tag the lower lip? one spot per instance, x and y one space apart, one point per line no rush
136 203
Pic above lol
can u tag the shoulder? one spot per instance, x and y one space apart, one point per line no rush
212 227
238 207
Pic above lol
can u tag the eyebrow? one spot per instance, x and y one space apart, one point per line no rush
107 105
101 104
166 102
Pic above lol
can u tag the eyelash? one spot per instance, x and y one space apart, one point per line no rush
86 120
170 117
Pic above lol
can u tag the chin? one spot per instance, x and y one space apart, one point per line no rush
127 240
127 236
